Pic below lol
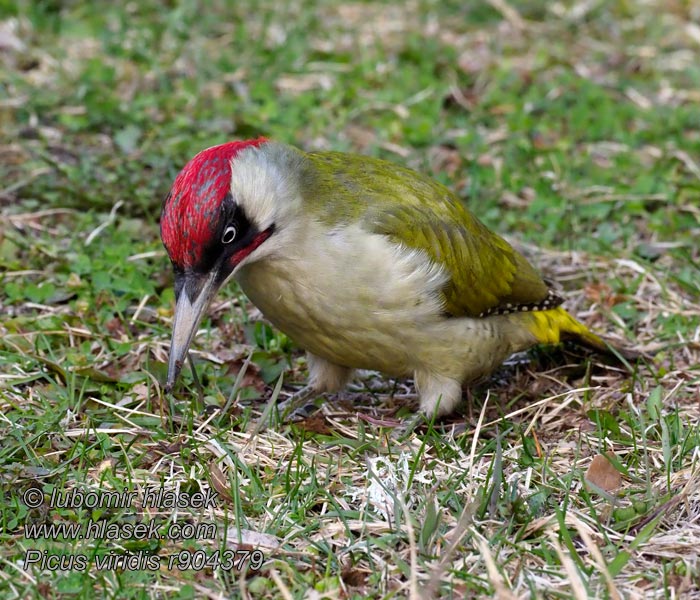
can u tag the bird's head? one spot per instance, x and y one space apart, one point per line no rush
224 205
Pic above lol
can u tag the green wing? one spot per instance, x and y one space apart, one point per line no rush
486 273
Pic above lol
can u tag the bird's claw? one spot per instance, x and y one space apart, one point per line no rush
297 407
403 431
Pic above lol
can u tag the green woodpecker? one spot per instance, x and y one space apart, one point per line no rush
364 264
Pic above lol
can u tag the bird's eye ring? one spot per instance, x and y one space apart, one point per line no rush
229 234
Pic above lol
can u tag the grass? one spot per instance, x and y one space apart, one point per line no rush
572 128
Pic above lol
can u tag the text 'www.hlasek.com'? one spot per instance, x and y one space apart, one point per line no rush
110 534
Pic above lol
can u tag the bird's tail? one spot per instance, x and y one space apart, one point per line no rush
556 325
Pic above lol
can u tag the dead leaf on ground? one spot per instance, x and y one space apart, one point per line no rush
104 465
602 293
314 424
361 137
445 159
251 378
247 539
352 576
160 450
603 474
219 481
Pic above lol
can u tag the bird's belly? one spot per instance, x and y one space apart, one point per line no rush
383 312
351 335
352 298
336 323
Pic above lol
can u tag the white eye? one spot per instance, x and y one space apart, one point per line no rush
229 234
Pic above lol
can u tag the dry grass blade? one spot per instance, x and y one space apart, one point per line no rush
577 587
502 592
599 561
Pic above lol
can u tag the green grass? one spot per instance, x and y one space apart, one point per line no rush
572 128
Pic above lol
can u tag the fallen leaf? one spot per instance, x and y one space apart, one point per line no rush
353 577
603 474
219 481
445 159
314 424
603 294
361 137
251 378
251 539
160 450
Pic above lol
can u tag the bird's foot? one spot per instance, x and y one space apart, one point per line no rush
299 406
404 431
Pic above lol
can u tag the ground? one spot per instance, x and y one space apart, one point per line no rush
572 128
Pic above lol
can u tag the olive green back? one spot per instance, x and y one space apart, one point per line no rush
486 273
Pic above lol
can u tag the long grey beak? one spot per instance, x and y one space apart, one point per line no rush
188 313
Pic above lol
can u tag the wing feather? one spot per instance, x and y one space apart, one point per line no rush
486 274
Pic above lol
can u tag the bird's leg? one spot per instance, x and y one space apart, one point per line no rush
439 394
297 406
324 376
405 429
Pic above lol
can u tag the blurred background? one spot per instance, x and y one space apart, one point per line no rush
555 120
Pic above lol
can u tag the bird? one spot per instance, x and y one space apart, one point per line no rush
364 264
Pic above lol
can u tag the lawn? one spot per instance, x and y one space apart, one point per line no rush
571 128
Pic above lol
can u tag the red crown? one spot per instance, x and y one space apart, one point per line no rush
189 211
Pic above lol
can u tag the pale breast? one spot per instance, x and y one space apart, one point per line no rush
352 297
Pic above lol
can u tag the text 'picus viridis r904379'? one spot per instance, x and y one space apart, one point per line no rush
363 263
